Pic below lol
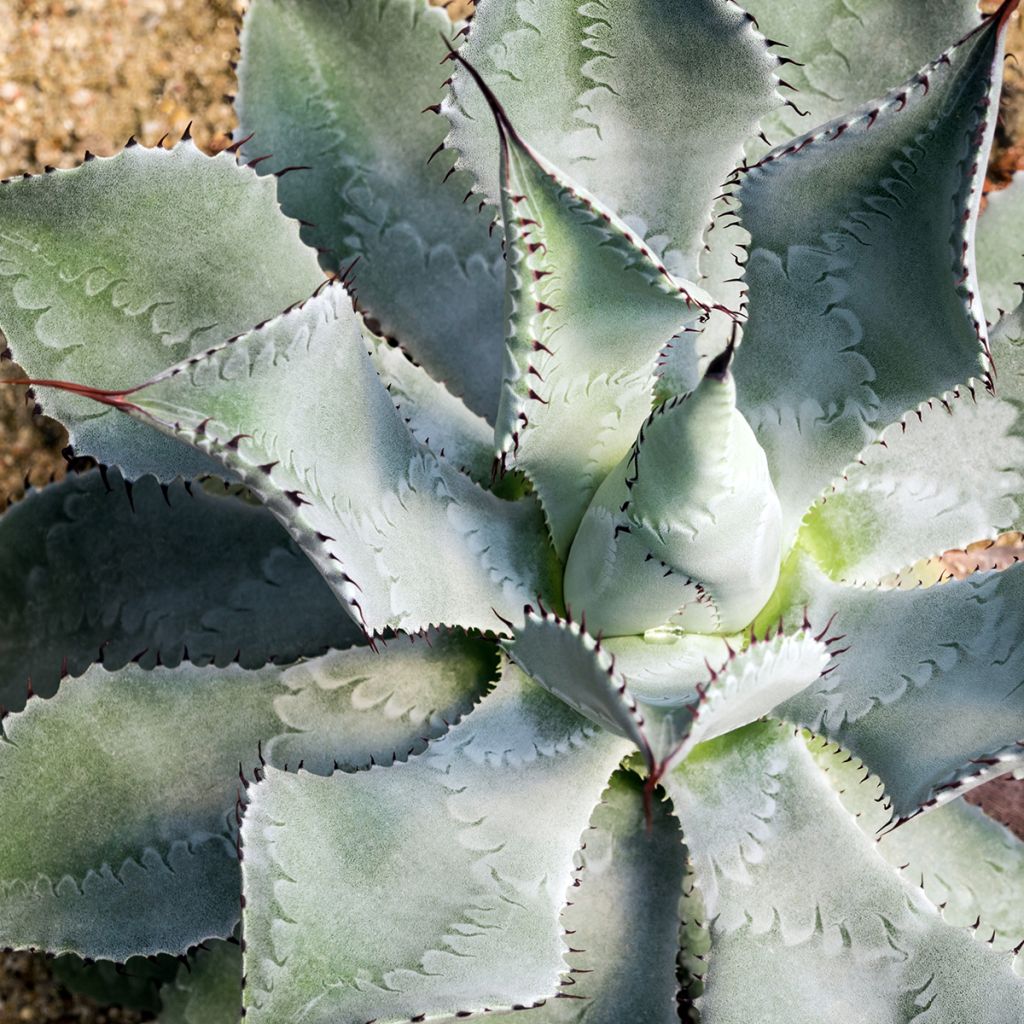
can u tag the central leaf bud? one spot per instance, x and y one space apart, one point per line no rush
686 531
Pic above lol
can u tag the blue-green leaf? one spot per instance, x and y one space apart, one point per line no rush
93 569
927 684
429 887
112 270
348 89
807 923
863 300
295 408
118 795
647 105
589 309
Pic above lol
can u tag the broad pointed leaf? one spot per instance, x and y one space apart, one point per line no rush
631 99
728 694
929 692
207 989
749 686
863 300
93 569
589 308
367 707
969 866
430 887
843 52
567 661
347 90
948 473
692 490
623 918
296 409
114 269
435 417
118 794
807 922
1000 249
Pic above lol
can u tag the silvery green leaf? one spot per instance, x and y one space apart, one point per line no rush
622 918
658 544
467 851
968 865
843 52
348 91
807 922
1000 250
567 661
295 408
861 260
361 707
949 473
112 270
926 689
95 569
589 309
560 655
118 795
630 99
434 416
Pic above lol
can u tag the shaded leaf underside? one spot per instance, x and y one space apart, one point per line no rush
93 569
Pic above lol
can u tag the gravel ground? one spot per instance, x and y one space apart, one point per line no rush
87 74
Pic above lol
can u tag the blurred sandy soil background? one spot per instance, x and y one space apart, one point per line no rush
87 74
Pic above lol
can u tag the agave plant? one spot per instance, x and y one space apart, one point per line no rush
541 619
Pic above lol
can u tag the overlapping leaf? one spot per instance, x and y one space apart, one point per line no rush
951 472
433 414
630 99
629 872
696 705
863 300
296 409
118 795
207 989
430 887
843 52
658 543
969 866
114 269
346 90
93 569
929 690
589 309
1000 249
807 923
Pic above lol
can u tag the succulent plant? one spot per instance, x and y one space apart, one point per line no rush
538 614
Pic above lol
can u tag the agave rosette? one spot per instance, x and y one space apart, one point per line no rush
569 602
